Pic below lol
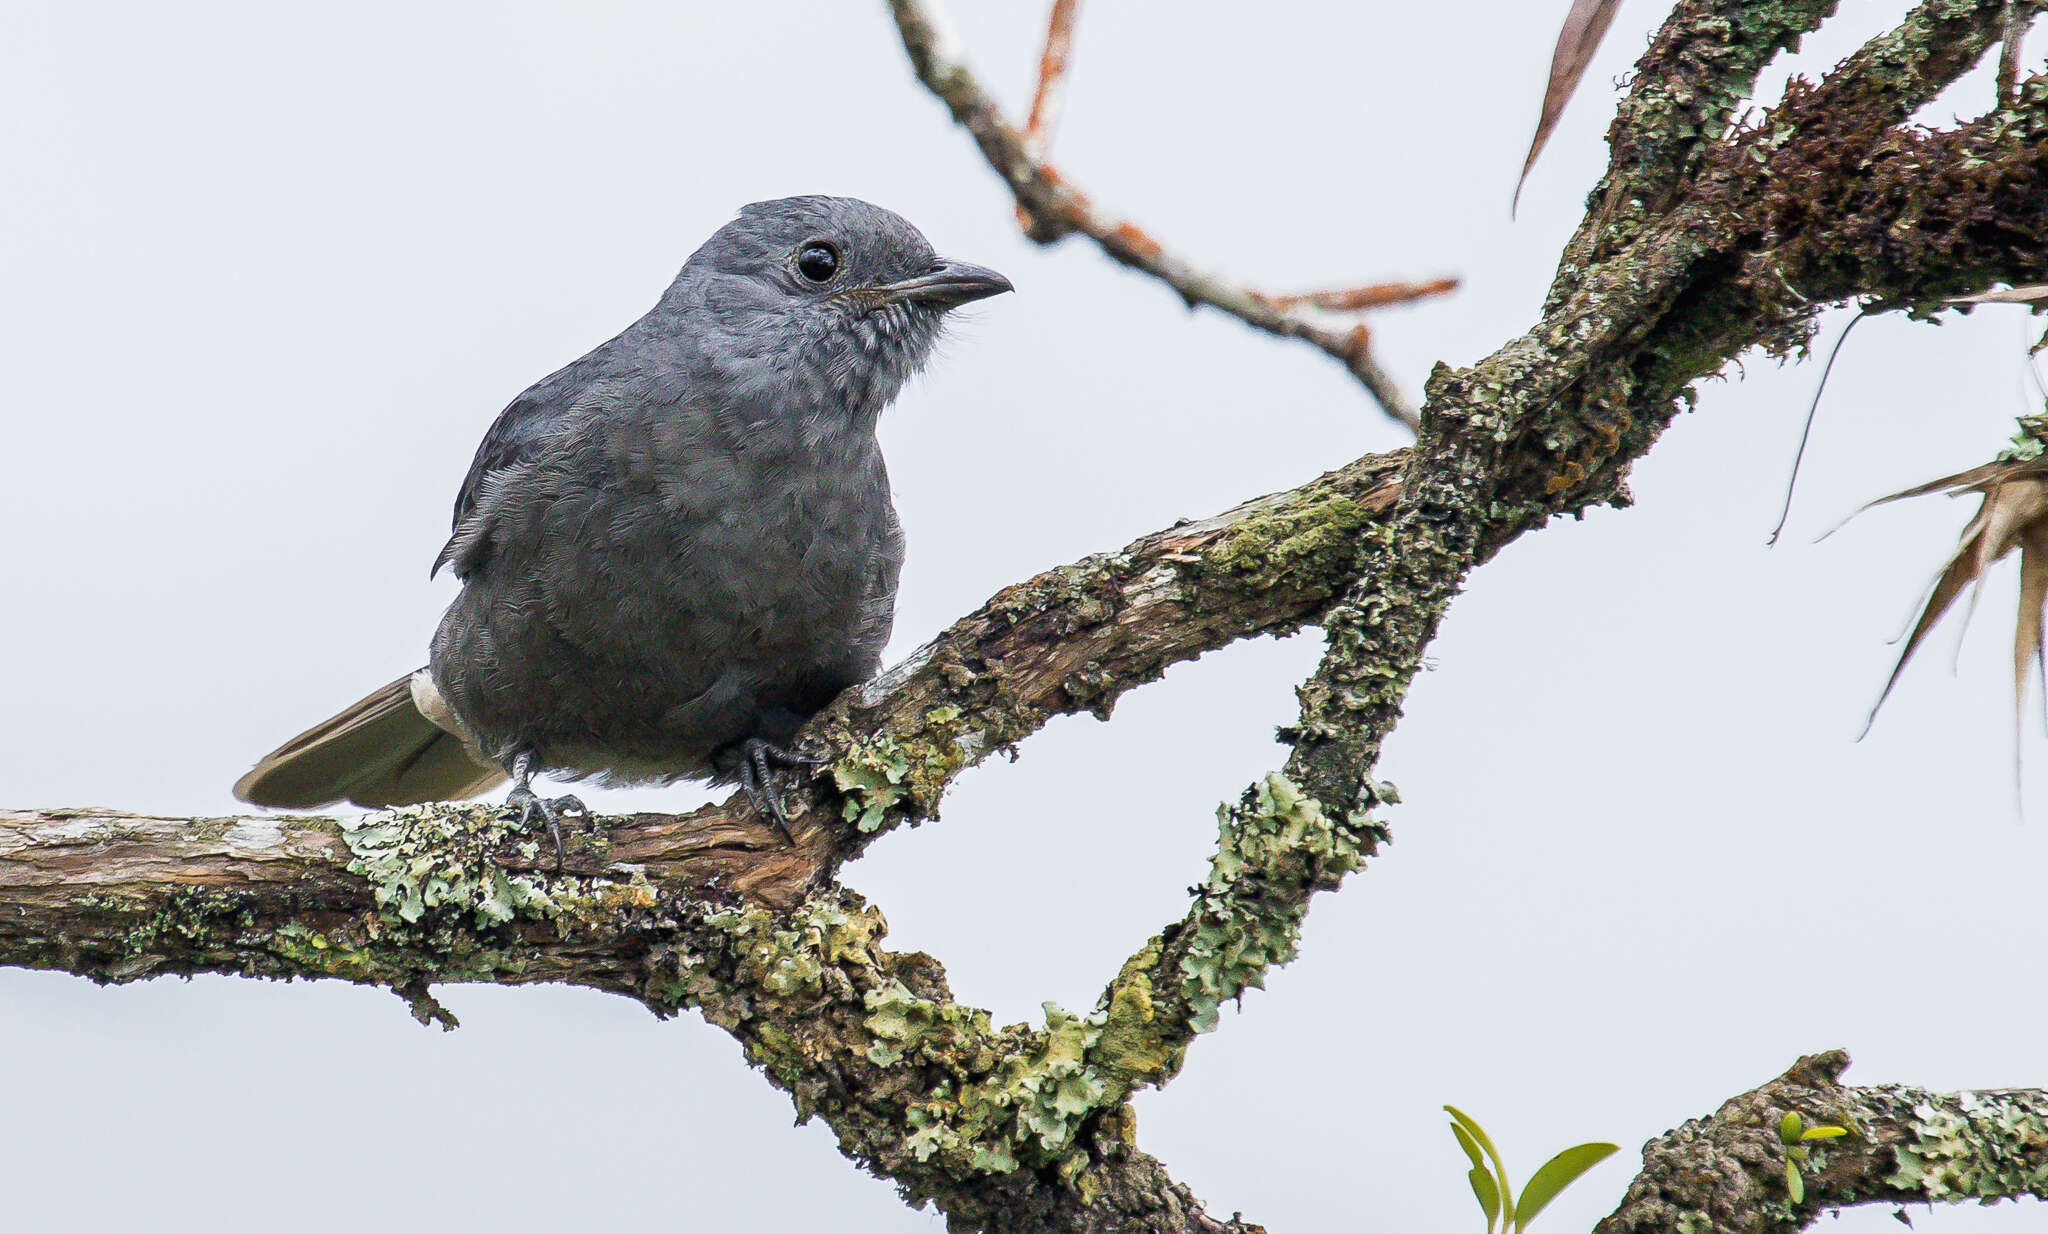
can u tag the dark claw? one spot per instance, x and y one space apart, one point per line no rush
530 803
757 760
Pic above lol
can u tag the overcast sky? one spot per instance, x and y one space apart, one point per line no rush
268 271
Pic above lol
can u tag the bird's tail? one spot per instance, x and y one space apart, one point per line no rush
394 748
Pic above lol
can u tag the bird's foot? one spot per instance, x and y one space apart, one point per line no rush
758 759
550 809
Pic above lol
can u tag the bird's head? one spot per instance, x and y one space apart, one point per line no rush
831 301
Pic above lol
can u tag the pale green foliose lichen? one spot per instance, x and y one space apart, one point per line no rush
1243 929
436 861
996 1098
871 776
2029 442
879 776
1030 1106
1992 1145
422 858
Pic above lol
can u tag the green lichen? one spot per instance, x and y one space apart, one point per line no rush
441 909
1029 1108
902 773
2029 442
1273 843
1991 1145
1317 527
1133 1044
975 1099
436 858
871 778
188 919
1693 1221
317 953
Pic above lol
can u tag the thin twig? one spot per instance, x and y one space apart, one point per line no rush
1371 295
1055 208
1046 104
1052 78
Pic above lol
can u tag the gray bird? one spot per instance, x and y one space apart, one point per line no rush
678 548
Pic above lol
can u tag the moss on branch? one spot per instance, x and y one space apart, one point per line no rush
1725 1174
1702 243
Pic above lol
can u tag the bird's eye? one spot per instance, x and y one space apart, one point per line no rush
818 262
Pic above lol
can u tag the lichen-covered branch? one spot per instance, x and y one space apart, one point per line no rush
1004 1128
1706 240
1552 422
1727 1173
1072 639
1076 638
1698 68
1054 208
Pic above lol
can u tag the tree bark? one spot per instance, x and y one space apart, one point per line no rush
1701 242
1727 1173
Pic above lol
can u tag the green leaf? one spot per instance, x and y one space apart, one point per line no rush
1471 1149
1500 1169
1788 1128
1823 1133
1555 1175
1487 1192
1795 1184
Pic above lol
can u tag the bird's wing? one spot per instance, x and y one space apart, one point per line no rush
520 434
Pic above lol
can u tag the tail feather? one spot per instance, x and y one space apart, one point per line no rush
383 751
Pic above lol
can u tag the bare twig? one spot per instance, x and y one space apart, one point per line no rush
1046 103
1052 208
1052 78
1351 299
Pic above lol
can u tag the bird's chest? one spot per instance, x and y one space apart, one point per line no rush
778 540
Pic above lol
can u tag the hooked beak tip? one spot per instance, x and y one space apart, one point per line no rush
950 285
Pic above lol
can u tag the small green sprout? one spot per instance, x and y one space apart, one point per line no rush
1794 1134
1489 1175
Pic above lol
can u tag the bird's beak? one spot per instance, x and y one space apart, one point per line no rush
950 284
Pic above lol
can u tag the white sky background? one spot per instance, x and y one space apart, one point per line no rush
268 271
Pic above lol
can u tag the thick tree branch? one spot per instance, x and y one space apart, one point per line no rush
1726 1173
1746 235
1069 640
1054 208
1551 423
1076 638
1699 67
710 911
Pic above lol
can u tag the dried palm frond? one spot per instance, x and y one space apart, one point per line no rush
2013 515
2032 293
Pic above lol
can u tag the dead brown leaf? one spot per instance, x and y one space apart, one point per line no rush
2012 515
2033 293
1584 27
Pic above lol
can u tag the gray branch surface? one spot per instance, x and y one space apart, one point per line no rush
1704 240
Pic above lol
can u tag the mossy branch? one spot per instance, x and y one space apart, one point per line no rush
1725 1174
712 911
1837 195
1725 239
